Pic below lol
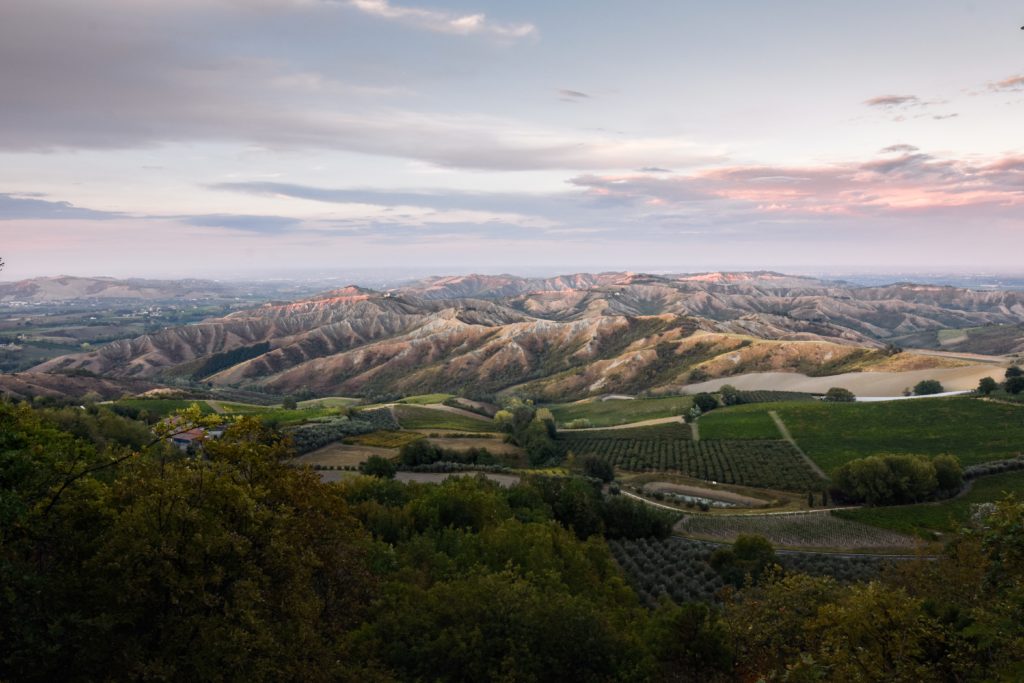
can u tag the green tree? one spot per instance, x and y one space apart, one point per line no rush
289 403
839 395
691 643
986 386
627 518
948 473
876 633
377 466
890 479
1014 385
927 387
501 627
730 395
705 401
1014 371
163 567
598 468
747 560
418 452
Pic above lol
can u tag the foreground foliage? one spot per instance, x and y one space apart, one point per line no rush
119 562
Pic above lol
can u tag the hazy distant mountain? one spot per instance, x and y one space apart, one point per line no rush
565 337
68 288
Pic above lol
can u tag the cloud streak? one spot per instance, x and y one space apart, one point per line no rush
894 101
443 22
1011 84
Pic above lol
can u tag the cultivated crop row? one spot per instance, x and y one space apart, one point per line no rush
769 464
679 568
806 530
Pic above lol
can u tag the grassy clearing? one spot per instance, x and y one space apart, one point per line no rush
946 516
425 399
731 423
163 406
803 530
385 439
416 417
617 412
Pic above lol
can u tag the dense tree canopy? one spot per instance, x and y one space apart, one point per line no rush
840 395
897 479
986 385
927 387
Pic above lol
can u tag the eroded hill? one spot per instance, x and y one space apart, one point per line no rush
564 337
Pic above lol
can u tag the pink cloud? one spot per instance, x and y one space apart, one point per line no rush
908 181
1012 83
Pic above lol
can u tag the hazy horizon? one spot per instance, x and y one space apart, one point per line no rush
217 137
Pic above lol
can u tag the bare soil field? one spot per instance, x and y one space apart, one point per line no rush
860 383
495 446
339 454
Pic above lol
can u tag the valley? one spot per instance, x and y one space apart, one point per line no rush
658 432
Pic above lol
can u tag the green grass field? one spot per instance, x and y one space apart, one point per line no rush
732 423
163 407
945 516
833 433
617 412
416 417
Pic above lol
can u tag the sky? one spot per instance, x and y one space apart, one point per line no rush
245 138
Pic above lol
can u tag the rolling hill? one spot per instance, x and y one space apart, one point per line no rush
557 338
